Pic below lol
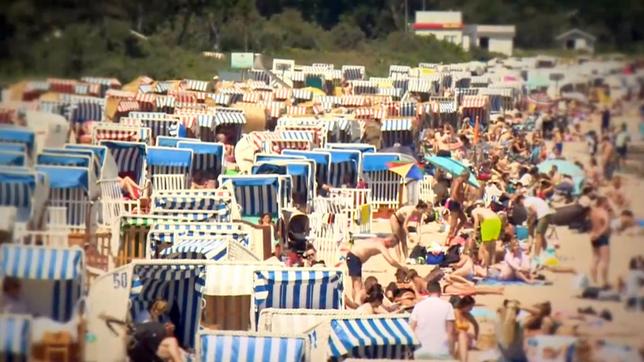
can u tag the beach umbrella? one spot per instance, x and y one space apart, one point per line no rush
408 170
565 168
452 167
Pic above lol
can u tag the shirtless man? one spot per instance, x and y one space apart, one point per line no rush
599 238
608 158
363 250
490 226
455 204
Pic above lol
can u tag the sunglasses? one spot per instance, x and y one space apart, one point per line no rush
310 255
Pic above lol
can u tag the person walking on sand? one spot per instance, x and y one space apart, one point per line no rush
599 239
455 205
363 250
608 158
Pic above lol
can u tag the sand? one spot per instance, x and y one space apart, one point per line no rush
575 251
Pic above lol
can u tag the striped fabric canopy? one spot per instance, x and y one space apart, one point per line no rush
166 232
86 111
166 160
206 156
36 262
15 337
256 195
322 161
399 70
314 288
211 249
179 284
371 337
302 94
474 101
229 116
130 158
420 85
224 347
398 124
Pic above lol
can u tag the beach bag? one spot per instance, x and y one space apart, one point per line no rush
452 255
435 259
418 252
521 232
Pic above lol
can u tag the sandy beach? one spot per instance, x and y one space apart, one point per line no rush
574 251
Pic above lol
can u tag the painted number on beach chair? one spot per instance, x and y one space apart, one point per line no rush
120 280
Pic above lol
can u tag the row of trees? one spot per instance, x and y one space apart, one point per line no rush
164 37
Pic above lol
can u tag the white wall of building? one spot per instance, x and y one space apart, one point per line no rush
452 36
583 44
501 45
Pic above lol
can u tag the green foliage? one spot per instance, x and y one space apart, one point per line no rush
73 38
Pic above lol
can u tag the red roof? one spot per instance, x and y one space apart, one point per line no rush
437 26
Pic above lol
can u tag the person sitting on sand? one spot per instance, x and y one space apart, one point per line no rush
457 285
373 301
515 265
363 250
463 320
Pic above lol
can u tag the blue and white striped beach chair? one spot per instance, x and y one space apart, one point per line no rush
207 157
209 247
130 159
107 165
197 205
166 141
180 284
13 158
259 194
371 337
25 190
362 147
15 337
302 172
229 346
311 288
13 147
24 136
322 162
73 188
169 168
344 167
384 184
52 278
397 130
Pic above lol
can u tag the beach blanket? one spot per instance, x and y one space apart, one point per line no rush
491 281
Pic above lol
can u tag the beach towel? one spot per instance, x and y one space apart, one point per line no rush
491 281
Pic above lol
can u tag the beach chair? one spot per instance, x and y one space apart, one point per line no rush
353 72
328 231
397 131
259 194
231 346
107 165
208 248
105 131
196 205
344 167
130 159
302 172
71 187
278 288
169 168
357 206
207 157
25 190
112 203
474 106
369 337
384 184
15 337
125 293
362 147
426 191
11 158
52 290
13 147
160 124
19 135
322 162
166 141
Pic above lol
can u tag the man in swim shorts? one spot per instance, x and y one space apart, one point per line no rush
490 226
600 239
455 204
363 250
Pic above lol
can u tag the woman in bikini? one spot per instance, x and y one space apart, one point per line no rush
399 222
463 319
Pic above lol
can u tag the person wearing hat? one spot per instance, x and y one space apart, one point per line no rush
489 225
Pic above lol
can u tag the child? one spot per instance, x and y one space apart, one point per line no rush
363 250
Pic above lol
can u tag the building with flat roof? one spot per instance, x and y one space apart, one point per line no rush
493 38
444 25
448 26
